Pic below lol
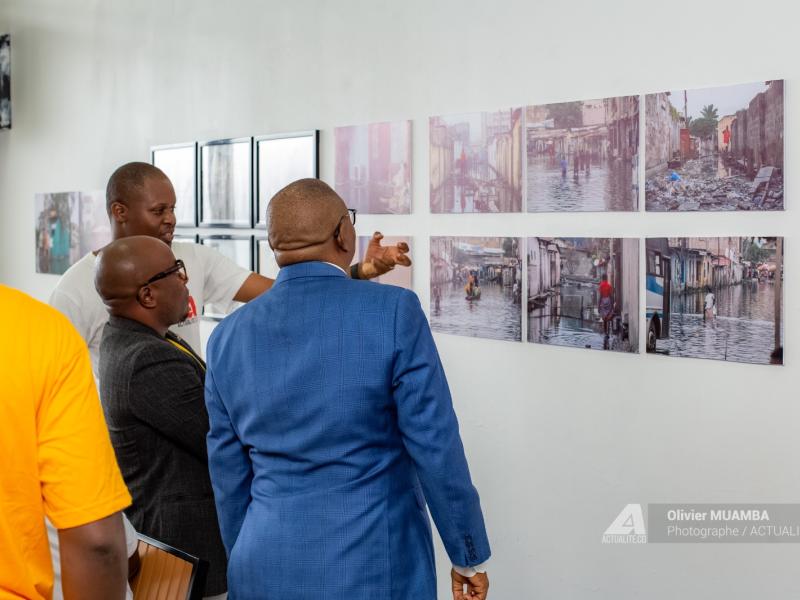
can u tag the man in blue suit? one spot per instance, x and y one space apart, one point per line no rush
331 425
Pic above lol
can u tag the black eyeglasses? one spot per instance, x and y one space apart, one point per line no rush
352 214
178 267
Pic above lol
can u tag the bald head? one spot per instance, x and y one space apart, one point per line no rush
303 218
125 264
121 270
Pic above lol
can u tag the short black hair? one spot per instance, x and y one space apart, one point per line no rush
124 182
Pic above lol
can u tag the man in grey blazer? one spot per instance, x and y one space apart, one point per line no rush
151 388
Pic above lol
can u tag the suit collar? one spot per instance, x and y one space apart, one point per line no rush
309 269
131 325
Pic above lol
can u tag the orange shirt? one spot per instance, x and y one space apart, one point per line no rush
56 458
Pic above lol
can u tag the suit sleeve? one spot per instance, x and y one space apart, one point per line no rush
229 465
430 432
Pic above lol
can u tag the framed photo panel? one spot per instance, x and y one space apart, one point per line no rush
715 149
5 81
279 160
476 287
373 167
238 248
179 163
716 297
225 182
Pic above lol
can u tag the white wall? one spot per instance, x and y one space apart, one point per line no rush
559 439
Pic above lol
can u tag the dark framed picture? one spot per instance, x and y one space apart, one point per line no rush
179 163
5 81
225 183
238 248
265 263
279 160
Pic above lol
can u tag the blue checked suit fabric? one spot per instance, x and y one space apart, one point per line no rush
331 425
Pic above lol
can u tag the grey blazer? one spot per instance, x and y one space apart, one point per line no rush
152 395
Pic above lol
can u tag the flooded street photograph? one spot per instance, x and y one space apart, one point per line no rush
476 287
476 162
715 149
583 156
724 297
583 292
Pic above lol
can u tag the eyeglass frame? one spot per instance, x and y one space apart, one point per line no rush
178 266
352 214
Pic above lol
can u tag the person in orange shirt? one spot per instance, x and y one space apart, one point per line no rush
56 460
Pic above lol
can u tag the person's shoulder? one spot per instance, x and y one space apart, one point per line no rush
78 280
50 325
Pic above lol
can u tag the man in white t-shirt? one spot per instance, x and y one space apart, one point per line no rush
140 200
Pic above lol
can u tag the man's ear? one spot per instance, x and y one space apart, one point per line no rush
119 212
341 241
146 297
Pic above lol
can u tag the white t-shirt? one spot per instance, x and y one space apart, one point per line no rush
213 278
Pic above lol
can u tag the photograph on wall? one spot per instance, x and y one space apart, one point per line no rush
476 162
68 225
280 160
584 292
476 286
373 167
225 170
179 163
95 228
239 249
399 276
5 81
58 221
715 149
716 297
583 155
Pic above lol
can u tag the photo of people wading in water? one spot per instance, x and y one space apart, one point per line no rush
583 155
584 292
715 148
716 297
476 287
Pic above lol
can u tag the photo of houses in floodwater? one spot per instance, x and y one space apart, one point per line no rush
373 167
584 292
476 287
715 149
476 162
583 155
716 297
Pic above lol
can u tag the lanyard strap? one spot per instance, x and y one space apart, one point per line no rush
187 351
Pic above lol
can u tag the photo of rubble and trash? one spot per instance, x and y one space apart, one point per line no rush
715 149
476 285
584 292
716 297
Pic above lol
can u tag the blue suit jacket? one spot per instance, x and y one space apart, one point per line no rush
331 424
